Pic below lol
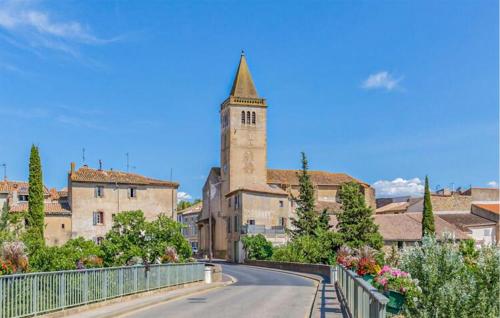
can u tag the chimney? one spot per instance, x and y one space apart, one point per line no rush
72 168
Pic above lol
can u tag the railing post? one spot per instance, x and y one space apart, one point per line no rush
105 284
62 290
34 287
120 282
135 279
85 286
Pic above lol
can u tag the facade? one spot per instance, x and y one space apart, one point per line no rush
189 218
490 211
244 197
96 195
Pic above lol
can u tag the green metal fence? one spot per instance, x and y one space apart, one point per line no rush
36 293
361 298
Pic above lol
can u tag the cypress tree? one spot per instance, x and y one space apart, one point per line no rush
356 225
428 227
36 214
307 219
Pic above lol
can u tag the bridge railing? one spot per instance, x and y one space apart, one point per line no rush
36 293
361 298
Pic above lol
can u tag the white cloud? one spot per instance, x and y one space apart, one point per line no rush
399 187
35 28
381 79
493 184
183 196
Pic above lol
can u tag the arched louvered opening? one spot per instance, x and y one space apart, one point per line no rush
243 117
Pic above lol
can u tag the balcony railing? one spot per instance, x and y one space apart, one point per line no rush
361 298
262 229
36 293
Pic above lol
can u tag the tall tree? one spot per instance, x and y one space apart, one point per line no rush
356 225
307 220
36 214
428 227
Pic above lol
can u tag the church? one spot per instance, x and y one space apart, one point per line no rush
243 196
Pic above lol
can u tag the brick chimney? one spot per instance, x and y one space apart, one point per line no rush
72 168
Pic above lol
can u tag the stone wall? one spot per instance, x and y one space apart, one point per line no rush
317 269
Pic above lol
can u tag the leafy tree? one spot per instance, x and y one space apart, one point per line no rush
428 227
307 220
257 247
36 214
11 224
182 205
356 225
132 236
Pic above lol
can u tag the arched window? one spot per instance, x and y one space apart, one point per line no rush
248 118
253 118
243 117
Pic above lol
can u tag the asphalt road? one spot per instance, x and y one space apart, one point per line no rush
258 293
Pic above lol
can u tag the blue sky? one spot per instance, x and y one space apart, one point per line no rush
385 91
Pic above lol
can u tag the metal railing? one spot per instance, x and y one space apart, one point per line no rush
361 298
36 293
262 229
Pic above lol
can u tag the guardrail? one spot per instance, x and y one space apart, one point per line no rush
36 293
262 229
361 298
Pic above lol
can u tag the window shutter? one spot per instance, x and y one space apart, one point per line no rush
95 191
94 216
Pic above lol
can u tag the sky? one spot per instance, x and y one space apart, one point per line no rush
386 91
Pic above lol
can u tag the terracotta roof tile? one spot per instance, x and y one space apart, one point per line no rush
491 207
260 189
50 207
395 207
464 220
86 174
317 177
7 186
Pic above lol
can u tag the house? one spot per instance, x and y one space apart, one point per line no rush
189 218
490 211
481 229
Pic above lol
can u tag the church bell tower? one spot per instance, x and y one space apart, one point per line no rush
243 133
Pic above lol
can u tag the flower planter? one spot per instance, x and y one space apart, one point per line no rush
396 301
368 278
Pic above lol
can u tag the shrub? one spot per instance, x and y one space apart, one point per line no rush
257 247
14 254
451 286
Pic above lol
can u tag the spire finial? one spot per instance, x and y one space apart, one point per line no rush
242 52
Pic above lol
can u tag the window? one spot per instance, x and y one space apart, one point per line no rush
236 224
229 202
132 192
487 232
113 217
236 201
98 240
400 244
228 226
251 222
22 197
98 218
248 118
283 222
99 191
62 226
253 118
243 117
282 204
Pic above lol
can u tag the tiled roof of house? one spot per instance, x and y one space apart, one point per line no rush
277 176
50 207
195 208
8 186
86 174
408 227
395 207
491 207
465 220
257 188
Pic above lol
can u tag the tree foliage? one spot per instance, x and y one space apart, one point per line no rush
456 280
182 205
133 236
356 225
307 220
257 247
36 214
428 227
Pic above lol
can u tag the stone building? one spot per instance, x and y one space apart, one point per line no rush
95 196
189 218
244 197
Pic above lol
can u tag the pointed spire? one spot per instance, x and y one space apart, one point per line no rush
243 84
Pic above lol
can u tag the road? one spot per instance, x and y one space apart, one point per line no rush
258 293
